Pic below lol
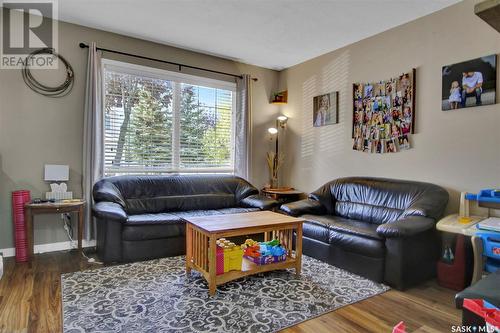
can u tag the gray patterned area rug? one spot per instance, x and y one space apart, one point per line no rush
156 296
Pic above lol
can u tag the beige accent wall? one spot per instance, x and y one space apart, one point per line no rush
35 130
459 150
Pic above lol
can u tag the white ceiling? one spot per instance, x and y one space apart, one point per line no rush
270 33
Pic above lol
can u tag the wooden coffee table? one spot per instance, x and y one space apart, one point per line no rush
203 231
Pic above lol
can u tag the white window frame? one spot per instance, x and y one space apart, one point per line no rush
156 73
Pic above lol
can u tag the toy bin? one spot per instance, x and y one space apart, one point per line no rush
219 260
453 275
233 258
264 260
228 259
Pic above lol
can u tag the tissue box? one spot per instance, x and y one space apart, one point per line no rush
58 195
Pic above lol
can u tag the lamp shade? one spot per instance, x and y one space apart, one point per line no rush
56 172
272 130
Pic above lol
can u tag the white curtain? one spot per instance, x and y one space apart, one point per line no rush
243 126
93 134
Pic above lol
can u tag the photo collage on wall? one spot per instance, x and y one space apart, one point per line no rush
384 115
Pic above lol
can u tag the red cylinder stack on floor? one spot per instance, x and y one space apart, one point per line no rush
19 198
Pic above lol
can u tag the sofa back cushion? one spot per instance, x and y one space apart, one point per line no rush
380 200
156 194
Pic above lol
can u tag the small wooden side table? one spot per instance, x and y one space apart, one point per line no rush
283 196
32 209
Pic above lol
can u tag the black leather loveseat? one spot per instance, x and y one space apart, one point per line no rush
383 229
140 217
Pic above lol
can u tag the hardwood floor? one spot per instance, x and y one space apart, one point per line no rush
30 301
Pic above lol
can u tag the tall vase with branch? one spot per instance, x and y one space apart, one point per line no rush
274 162
276 158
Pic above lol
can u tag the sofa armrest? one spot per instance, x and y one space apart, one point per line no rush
259 201
306 206
109 210
406 227
106 191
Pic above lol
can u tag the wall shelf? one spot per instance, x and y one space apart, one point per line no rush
280 97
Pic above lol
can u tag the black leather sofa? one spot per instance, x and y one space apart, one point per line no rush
382 229
140 217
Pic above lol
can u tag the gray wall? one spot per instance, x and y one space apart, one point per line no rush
35 130
457 149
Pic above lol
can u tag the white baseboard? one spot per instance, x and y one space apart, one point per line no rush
50 247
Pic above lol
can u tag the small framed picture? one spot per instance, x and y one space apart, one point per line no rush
326 109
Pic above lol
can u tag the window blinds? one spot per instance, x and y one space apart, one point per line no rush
162 122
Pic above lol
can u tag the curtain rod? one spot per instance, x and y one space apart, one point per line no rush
83 45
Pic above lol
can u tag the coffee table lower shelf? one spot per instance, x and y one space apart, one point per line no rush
250 268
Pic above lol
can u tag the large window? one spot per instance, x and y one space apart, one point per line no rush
160 122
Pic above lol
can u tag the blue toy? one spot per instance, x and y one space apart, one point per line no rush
491 250
485 196
269 250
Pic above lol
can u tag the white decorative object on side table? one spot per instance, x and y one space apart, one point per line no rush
54 172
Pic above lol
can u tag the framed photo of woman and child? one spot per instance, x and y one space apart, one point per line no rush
384 114
469 83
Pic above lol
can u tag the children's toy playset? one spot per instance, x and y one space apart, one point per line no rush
488 229
230 256
264 252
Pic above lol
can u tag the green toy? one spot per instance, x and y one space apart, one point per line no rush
274 242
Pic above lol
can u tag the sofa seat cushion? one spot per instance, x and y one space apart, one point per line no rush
319 227
165 225
237 210
351 235
160 218
232 210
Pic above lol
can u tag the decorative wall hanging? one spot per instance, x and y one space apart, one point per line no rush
57 91
384 114
326 109
469 83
